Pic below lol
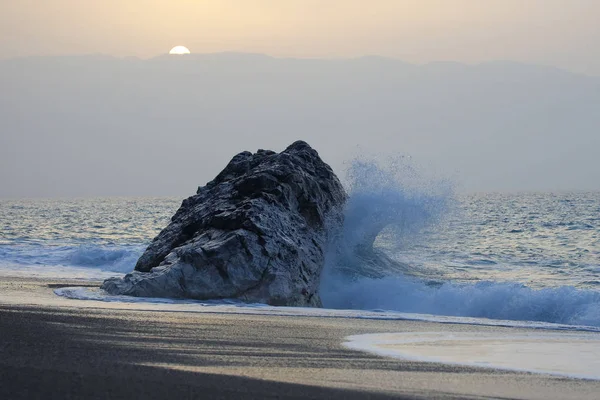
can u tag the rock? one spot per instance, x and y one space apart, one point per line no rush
258 233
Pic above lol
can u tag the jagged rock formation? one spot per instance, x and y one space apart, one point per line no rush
258 232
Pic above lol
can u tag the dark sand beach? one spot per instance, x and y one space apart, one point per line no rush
56 348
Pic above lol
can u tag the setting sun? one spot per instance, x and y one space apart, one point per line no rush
179 50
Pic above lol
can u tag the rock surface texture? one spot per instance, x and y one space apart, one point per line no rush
258 233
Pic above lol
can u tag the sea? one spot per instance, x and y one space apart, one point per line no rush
499 256
522 260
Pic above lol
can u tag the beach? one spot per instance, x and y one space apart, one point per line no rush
54 347
299 200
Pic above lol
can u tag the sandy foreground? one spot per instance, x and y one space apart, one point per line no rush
53 347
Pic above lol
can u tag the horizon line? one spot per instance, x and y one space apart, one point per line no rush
274 57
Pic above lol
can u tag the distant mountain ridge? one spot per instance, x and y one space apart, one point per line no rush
101 125
233 55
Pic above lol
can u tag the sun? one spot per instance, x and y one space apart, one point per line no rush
179 50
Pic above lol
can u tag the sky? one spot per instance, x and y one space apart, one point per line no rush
489 95
562 33
98 125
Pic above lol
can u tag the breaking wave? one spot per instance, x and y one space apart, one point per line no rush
361 275
494 300
113 258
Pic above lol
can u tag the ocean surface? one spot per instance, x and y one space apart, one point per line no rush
517 257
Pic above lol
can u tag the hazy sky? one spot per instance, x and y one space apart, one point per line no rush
563 33
98 125
108 124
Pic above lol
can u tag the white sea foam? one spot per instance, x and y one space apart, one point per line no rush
572 354
234 306
55 272
495 300
81 262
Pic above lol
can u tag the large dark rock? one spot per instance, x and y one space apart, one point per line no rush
258 232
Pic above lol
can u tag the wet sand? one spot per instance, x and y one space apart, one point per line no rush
52 347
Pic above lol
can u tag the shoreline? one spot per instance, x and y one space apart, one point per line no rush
53 347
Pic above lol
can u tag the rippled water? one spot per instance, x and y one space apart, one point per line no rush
101 235
83 221
526 257
539 239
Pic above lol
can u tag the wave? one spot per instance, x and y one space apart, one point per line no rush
238 307
391 200
358 275
493 300
117 259
113 258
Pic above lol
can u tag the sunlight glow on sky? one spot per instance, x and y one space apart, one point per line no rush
554 32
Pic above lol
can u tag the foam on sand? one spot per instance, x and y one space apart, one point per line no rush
572 354
103 299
